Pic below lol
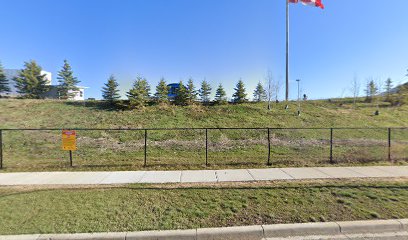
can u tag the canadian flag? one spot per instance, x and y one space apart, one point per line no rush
316 3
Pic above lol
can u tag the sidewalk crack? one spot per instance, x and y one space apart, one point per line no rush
143 175
250 174
103 179
329 176
401 224
341 231
263 231
287 173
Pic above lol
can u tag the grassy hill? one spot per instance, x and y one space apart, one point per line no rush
105 150
59 114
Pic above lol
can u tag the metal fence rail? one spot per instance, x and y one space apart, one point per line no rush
331 132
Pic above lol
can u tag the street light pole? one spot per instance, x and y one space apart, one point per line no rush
287 54
298 83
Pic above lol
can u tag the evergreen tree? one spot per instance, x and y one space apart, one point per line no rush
239 95
139 95
182 96
162 91
30 82
67 82
388 88
4 83
205 91
220 95
401 96
371 90
259 93
110 92
191 91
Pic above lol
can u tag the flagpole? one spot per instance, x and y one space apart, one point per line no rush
287 53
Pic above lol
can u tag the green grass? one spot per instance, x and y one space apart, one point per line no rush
123 150
60 114
135 208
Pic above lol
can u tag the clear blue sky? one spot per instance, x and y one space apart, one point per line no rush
220 40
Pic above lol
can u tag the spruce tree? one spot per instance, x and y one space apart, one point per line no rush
220 95
240 95
182 96
4 83
30 83
371 90
67 82
162 92
110 92
139 95
388 88
191 92
205 91
259 93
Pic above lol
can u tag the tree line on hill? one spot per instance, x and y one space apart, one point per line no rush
31 83
140 94
377 91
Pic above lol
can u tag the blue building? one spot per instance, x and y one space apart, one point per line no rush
173 88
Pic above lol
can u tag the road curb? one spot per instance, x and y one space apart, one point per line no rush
256 232
84 236
404 223
161 235
370 226
301 229
231 233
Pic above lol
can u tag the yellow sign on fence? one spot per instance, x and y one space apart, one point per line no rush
69 140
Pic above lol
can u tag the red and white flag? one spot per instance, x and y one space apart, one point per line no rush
316 3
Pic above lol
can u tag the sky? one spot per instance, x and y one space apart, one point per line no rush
221 41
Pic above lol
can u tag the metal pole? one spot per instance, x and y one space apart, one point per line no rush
1 149
70 158
287 51
298 85
269 147
145 147
206 147
331 145
389 144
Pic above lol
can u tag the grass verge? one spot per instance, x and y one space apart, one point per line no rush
145 207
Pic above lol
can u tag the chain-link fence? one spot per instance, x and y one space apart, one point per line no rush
196 148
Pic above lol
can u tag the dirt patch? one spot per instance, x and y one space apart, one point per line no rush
224 143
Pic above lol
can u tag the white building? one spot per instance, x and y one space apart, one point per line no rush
51 94
48 76
79 95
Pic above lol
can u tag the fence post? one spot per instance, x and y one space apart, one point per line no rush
269 147
389 144
145 147
206 147
70 158
331 145
1 149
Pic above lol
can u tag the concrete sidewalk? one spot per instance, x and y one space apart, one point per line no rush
200 176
